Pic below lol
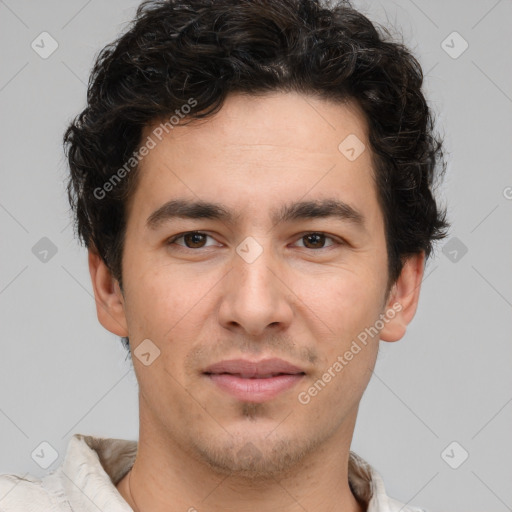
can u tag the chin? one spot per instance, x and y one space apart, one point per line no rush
253 455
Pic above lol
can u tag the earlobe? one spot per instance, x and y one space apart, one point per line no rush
403 298
108 296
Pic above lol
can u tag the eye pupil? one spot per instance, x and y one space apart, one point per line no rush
316 238
194 237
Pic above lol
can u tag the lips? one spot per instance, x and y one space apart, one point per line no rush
250 369
254 381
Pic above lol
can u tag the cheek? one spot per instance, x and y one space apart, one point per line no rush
166 303
336 390
350 383
345 301
151 304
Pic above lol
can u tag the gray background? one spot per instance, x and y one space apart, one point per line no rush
448 380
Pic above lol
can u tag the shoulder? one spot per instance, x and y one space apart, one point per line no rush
27 494
382 502
368 485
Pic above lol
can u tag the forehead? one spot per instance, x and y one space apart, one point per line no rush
274 121
258 149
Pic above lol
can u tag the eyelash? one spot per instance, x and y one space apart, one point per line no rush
172 240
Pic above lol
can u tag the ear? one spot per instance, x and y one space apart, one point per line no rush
108 296
403 298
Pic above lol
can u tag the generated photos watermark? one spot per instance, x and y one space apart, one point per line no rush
337 366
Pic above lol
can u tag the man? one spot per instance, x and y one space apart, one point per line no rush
253 183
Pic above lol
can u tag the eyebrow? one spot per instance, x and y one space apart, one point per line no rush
302 210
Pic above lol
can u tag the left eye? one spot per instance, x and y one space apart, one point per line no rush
197 239
316 239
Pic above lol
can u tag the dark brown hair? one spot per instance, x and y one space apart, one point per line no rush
176 50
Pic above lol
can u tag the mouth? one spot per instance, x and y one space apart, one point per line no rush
252 381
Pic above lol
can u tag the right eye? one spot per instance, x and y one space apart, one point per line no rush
191 239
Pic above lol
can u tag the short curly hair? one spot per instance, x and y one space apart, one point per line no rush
175 50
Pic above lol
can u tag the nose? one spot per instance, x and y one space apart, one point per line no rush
255 295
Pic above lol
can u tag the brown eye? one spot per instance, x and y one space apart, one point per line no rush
194 240
191 240
315 240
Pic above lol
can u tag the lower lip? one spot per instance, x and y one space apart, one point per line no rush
255 390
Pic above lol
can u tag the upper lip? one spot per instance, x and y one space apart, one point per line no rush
248 369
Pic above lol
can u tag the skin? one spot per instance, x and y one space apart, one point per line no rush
302 302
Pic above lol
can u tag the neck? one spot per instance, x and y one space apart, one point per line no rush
165 477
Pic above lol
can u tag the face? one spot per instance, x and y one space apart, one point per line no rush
255 304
